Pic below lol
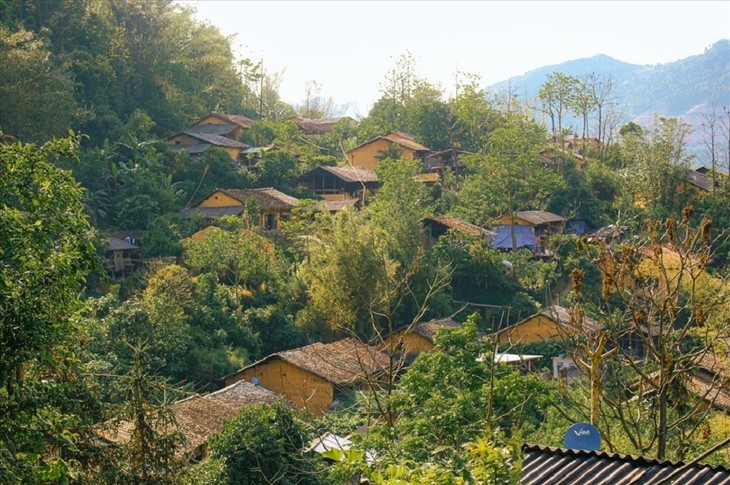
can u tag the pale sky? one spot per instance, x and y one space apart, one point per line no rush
349 46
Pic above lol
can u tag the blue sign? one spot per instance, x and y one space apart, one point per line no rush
583 436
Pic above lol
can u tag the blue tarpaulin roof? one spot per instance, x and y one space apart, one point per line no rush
525 236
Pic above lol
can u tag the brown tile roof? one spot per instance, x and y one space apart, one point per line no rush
200 416
216 140
551 466
312 126
458 224
559 315
699 180
222 129
212 212
429 329
116 244
397 138
268 197
346 174
539 217
239 120
344 362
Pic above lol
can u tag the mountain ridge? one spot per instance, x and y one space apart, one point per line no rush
675 88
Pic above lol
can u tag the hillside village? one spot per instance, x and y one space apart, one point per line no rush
204 284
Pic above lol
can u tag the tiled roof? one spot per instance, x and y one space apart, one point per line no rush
212 212
552 466
699 180
539 217
341 363
217 140
398 139
116 244
200 416
268 197
213 129
311 126
239 120
429 329
346 174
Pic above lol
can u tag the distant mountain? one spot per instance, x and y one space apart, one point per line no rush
685 88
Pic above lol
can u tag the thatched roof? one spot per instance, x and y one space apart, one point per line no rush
457 224
346 174
539 217
344 362
200 416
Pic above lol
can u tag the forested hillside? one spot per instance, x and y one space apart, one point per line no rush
200 283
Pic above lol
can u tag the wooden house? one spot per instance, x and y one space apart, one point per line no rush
198 417
272 206
450 159
313 377
553 323
121 256
340 183
369 154
318 126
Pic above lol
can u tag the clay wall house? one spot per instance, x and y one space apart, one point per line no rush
368 154
408 341
272 206
121 256
312 377
553 323
198 417
340 183
215 129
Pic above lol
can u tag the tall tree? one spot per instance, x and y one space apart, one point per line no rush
555 95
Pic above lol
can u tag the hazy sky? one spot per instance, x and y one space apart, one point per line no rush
349 46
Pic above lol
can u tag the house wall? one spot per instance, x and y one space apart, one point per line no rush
304 389
537 329
219 199
366 155
183 139
412 342
212 120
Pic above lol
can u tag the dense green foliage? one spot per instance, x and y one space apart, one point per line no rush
81 353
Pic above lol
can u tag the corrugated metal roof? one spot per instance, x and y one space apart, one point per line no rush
557 466
216 140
